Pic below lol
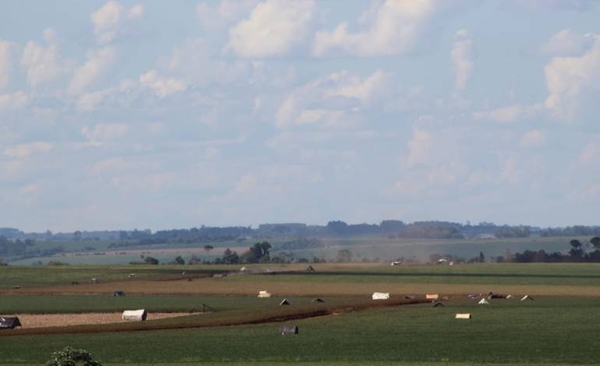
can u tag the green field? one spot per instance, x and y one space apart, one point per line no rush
549 330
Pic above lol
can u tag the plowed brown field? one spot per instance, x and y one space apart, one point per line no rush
64 320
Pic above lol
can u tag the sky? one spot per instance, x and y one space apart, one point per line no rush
176 114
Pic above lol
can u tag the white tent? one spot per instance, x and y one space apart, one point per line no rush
380 295
526 297
264 293
483 302
134 315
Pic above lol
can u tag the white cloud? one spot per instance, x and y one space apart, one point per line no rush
308 104
461 58
105 132
23 151
109 19
273 29
5 63
12 101
363 89
98 61
533 138
163 87
590 154
395 29
215 15
554 5
43 64
510 113
568 78
566 43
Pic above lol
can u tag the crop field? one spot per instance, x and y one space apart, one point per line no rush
222 322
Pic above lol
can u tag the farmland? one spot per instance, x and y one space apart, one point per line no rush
236 327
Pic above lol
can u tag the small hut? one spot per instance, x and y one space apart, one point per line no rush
9 322
135 315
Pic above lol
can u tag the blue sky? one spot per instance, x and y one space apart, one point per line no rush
175 114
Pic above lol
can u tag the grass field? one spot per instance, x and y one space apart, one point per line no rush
558 327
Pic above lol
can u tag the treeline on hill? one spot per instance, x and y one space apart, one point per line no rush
387 228
586 251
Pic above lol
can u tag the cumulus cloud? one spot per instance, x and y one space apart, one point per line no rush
23 151
103 132
215 15
109 19
5 63
509 113
273 29
43 64
161 86
566 43
461 58
395 28
353 86
311 103
12 101
98 62
533 138
568 78
554 5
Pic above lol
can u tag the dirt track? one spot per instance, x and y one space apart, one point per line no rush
64 320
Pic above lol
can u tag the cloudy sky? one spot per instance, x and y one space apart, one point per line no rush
177 114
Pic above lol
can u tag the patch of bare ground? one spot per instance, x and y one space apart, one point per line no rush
65 320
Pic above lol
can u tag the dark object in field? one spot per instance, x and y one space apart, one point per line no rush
289 330
317 299
74 283
95 280
16 287
118 293
284 302
437 303
310 269
409 297
492 295
9 322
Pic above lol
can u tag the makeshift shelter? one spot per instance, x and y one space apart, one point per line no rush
95 280
526 297
380 295
437 303
317 299
432 296
284 302
9 322
483 302
135 315
462 316
310 269
264 293
118 293
289 330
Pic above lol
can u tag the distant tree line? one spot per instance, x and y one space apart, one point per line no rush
586 251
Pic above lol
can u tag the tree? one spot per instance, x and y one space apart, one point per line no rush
576 251
230 257
179 260
69 356
344 256
595 242
259 252
151 260
208 248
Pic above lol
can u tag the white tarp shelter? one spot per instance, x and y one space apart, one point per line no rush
483 302
264 293
463 316
432 296
135 315
526 297
380 295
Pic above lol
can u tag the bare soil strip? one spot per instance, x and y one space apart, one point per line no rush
65 320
